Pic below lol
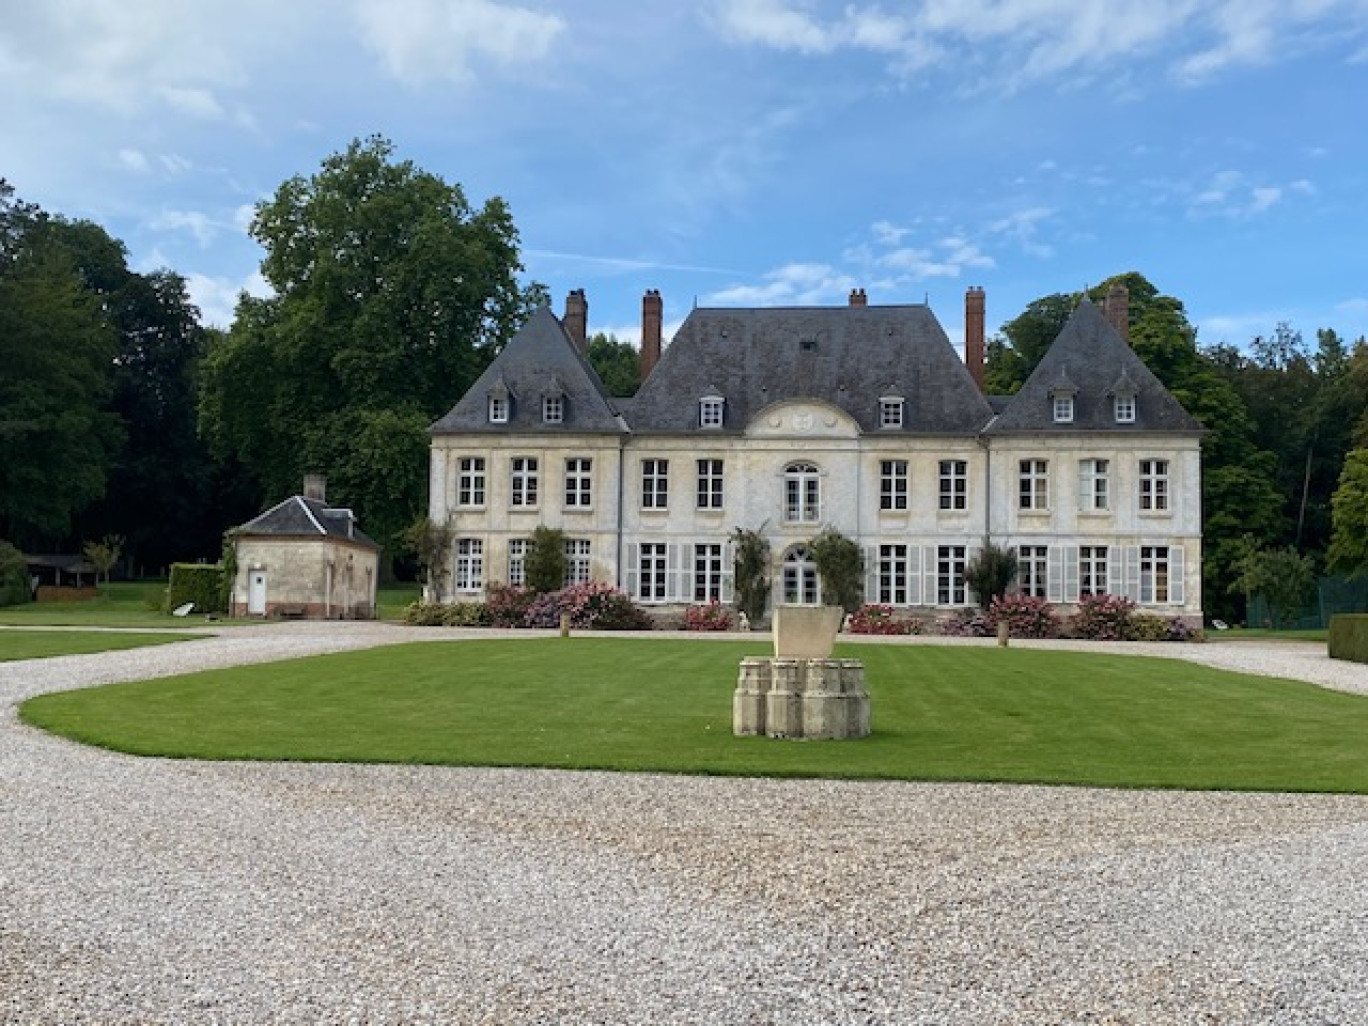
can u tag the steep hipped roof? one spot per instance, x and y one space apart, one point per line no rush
538 362
1096 363
846 356
298 517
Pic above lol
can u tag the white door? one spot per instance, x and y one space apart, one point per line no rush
256 593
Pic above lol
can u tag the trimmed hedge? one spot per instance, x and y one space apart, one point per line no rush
1349 637
200 583
14 581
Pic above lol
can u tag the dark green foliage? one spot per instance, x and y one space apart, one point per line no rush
618 365
545 563
1349 543
1349 637
1284 577
752 583
841 566
990 573
14 578
430 546
442 614
200 583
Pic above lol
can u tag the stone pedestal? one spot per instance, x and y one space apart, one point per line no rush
821 699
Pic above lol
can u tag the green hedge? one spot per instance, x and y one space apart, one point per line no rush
200 583
14 580
1349 637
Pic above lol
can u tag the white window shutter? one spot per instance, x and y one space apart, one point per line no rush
676 583
1177 590
871 586
728 572
633 570
928 575
1054 574
1070 573
914 579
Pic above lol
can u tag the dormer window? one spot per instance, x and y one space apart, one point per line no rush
498 409
1124 406
1063 409
553 409
711 410
891 411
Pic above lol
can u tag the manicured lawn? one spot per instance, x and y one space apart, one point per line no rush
119 604
22 644
940 713
392 599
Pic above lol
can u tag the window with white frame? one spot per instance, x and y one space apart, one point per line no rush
1154 486
954 484
707 572
553 409
579 483
517 561
655 484
498 409
1154 574
1123 406
1093 485
710 411
1092 570
950 560
470 481
893 484
709 484
1032 568
800 578
893 575
469 574
1063 408
1034 490
802 493
577 564
891 412
652 572
524 480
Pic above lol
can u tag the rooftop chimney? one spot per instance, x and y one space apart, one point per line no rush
576 319
1116 308
316 487
973 333
651 317
858 297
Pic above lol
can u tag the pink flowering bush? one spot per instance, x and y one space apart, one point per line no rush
1027 616
506 605
874 618
590 606
713 616
1103 618
968 623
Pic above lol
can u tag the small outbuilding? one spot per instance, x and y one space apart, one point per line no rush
305 559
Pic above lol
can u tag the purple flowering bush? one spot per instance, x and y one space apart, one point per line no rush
1027 616
1103 618
590 606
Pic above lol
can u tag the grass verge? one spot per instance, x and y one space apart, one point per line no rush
940 713
22 644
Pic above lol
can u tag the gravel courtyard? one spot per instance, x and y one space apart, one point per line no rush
152 891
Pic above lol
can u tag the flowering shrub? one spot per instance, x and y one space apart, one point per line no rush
506 604
1103 618
1153 627
592 605
710 617
968 623
879 619
424 614
1027 616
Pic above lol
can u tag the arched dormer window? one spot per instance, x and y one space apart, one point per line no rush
712 409
802 493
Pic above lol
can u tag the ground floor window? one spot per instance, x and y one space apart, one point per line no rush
469 564
577 563
1032 569
892 589
652 572
950 590
1154 573
800 578
517 561
707 572
1092 570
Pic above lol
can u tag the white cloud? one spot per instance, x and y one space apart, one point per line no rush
1231 195
420 40
175 164
798 284
134 160
198 224
198 103
217 297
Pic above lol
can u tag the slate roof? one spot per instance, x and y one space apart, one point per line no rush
539 361
298 517
847 356
1091 358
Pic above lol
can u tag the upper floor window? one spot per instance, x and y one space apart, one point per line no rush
470 481
1124 408
1093 494
524 481
579 483
893 484
1063 409
709 484
891 412
655 484
553 409
1034 491
1154 486
710 411
802 493
498 409
954 484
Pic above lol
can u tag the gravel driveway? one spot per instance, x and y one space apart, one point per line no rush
153 891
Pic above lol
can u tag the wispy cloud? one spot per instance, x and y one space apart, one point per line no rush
798 284
1230 194
623 265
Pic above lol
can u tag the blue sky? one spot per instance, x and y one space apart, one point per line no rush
741 152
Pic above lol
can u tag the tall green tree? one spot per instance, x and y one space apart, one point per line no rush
392 292
1349 544
618 364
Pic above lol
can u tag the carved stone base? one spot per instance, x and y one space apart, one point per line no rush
801 698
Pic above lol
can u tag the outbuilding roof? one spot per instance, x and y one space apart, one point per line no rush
298 517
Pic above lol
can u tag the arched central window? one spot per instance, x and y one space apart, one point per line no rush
802 493
800 578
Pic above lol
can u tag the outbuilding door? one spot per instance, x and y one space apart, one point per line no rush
256 593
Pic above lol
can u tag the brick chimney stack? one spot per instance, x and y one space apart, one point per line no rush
316 487
652 317
576 319
1116 308
858 297
973 333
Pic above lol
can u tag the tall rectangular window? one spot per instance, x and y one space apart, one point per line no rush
1093 494
1032 568
802 493
950 561
1154 573
893 575
1154 485
655 484
893 484
524 491
517 561
707 575
653 572
1034 491
577 563
579 483
469 564
954 484
1092 570
470 481
709 484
